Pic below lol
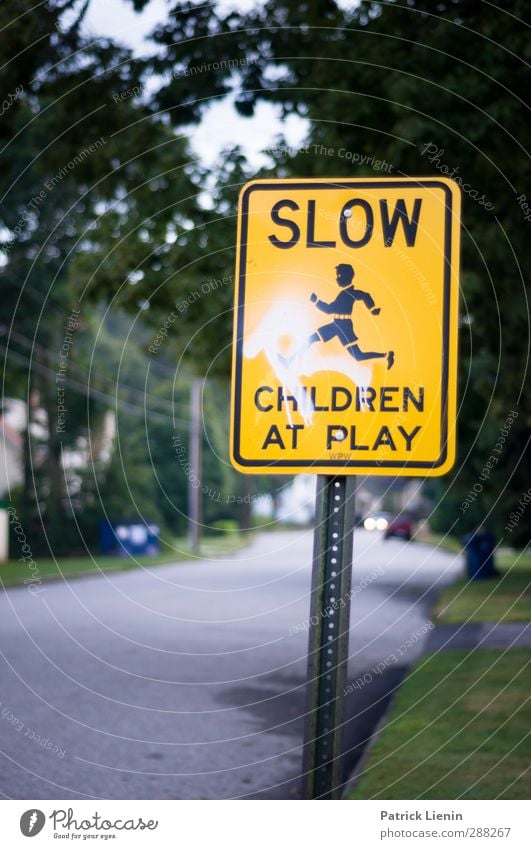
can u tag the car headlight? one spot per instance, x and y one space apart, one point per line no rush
369 524
381 523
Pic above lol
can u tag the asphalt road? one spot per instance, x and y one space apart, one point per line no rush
187 681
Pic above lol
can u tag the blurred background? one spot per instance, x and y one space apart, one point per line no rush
127 131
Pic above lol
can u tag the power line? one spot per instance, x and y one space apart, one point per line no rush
59 310
28 343
89 391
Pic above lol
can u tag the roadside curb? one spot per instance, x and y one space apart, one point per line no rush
400 674
97 573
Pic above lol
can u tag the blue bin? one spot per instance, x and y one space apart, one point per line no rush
479 555
129 538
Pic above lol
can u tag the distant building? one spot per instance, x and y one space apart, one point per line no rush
11 442
12 426
297 501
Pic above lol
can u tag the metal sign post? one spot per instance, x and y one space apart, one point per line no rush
344 363
328 636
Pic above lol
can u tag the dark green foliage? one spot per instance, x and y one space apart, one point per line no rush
100 204
93 189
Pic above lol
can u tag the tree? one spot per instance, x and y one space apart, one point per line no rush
425 90
93 190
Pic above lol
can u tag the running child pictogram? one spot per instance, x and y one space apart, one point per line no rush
342 326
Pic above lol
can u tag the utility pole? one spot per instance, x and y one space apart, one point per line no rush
194 477
328 647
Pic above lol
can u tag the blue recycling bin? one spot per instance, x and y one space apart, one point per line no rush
479 555
129 538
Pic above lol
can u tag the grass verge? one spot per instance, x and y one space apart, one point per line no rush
445 543
15 572
459 729
506 598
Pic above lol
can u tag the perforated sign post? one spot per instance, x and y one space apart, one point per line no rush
345 362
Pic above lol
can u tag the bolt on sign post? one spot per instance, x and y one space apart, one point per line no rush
345 363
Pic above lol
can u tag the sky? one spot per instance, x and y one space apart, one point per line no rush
221 125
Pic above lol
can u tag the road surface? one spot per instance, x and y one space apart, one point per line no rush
186 681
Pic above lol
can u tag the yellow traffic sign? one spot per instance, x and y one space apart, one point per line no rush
345 333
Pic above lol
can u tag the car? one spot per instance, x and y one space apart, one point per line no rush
376 521
400 527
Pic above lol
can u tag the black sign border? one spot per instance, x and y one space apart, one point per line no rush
334 465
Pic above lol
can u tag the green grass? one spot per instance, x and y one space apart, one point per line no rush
446 543
459 729
506 598
14 572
